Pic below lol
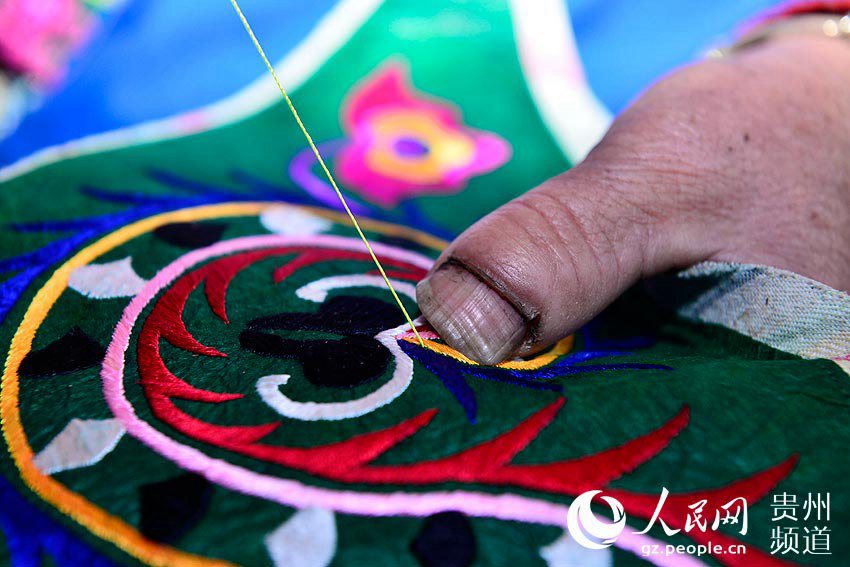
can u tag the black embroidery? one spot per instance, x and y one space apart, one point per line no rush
352 359
445 540
74 351
191 234
169 509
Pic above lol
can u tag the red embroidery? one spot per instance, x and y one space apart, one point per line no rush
675 510
412 273
406 271
488 463
161 386
218 280
167 322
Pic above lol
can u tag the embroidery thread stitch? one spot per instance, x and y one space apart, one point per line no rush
321 161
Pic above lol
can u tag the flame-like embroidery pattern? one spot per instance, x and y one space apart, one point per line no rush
353 460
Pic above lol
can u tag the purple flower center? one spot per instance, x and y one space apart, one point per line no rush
409 147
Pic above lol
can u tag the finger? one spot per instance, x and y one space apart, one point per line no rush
724 161
545 263
540 267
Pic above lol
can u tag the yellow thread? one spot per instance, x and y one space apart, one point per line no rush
324 167
93 518
87 514
561 347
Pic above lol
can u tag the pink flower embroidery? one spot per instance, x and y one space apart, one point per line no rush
36 35
402 144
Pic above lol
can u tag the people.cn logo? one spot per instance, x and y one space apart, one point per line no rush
588 530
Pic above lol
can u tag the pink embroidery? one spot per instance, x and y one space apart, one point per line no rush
402 144
489 462
34 36
293 493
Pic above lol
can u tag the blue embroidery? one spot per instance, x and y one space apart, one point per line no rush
25 268
453 373
31 534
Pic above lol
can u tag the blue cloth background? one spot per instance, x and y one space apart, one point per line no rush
155 58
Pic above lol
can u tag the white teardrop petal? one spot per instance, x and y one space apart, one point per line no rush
565 552
289 221
105 281
307 539
83 442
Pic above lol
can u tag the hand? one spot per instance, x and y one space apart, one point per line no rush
744 159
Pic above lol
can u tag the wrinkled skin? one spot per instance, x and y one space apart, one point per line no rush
744 159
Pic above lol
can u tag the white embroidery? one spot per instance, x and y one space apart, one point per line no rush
318 290
105 281
269 386
83 442
307 539
292 221
269 389
553 71
565 552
